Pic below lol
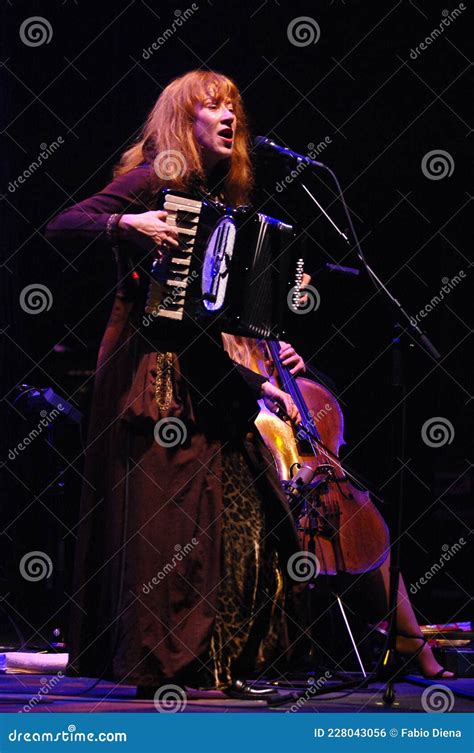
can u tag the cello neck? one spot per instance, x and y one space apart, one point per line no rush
289 384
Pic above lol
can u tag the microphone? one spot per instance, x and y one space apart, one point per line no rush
262 142
300 481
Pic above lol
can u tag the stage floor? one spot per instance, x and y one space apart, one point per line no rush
45 694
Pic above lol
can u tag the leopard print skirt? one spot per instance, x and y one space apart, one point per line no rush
250 598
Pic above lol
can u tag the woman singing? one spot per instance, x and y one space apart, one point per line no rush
184 532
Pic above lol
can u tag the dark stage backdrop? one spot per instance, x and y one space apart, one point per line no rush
381 91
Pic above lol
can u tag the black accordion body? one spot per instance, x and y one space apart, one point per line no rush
236 270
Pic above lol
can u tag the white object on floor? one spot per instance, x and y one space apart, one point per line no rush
29 662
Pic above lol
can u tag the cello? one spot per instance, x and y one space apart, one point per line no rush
336 519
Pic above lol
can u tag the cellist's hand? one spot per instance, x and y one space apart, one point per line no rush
290 358
275 400
304 296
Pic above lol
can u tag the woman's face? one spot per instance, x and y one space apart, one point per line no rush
214 128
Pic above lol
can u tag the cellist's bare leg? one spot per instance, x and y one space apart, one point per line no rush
407 623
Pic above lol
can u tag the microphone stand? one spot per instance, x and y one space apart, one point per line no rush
402 323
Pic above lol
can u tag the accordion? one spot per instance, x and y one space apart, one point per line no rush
235 269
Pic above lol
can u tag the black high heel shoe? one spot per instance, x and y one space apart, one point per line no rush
407 658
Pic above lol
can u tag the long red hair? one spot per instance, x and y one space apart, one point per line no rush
167 139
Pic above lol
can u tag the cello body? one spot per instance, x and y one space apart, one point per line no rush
339 522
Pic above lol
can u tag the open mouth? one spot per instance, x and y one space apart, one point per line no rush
227 135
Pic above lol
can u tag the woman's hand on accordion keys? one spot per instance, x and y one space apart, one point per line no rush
149 230
280 402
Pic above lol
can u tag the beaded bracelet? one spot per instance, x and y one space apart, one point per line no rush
111 229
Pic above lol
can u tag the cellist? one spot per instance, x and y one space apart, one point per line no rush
410 643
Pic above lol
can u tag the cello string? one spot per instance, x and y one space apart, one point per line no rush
290 385
316 443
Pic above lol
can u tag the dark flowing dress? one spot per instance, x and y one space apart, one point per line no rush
183 537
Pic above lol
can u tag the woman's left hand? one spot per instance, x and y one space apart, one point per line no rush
289 357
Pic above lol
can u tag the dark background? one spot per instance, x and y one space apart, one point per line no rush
382 110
